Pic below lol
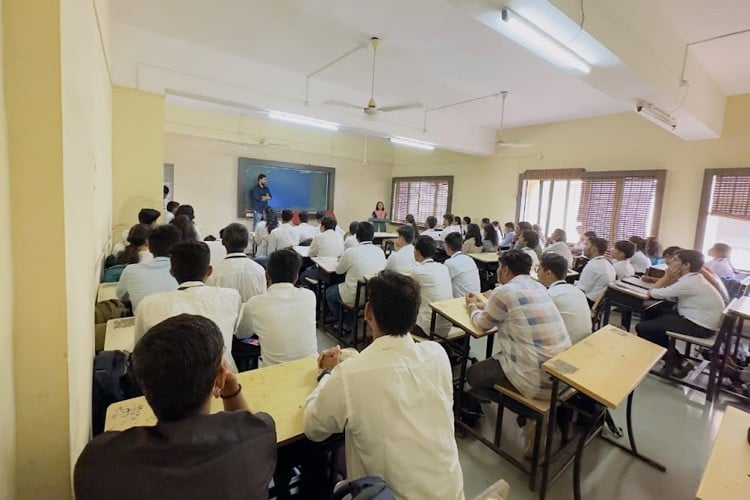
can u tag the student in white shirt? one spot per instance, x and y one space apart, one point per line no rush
449 227
140 280
569 300
263 230
350 240
558 243
190 266
640 260
510 235
363 260
327 243
237 270
435 285
598 273
394 401
699 308
285 236
189 211
621 254
431 223
527 242
306 230
401 259
462 268
720 264
283 336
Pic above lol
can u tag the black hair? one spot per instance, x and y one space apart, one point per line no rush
453 241
670 251
531 238
640 243
391 291
365 231
137 236
380 203
261 176
186 228
457 220
472 231
448 217
523 226
467 219
162 239
166 190
353 225
328 222
426 246
626 247
284 265
304 216
148 216
235 237
186 210
320 214
590 234
692 257
485 220
556 263
510 226
172 205
286 215
271 218
653 247
176 363
406 232
600 244
190 261
490 234
410 220
517 262
431 221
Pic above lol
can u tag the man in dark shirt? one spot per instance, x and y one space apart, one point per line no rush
259 196
189 453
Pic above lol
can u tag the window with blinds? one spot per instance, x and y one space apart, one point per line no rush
421 197
730 196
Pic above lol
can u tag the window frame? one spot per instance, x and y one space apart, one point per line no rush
704 208
426 178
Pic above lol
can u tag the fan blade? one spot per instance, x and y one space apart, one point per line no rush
407 105
342 104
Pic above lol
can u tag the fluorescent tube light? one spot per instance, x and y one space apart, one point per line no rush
537 41
656 115
411 142
303 120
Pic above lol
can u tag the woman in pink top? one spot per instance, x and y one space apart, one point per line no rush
379 212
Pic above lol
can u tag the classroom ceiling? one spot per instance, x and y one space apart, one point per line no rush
256 54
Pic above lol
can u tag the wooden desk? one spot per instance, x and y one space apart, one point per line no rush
120 335
279 390
380 236
106 291
607 366
302 251
327 264
727 473
628 297
740 307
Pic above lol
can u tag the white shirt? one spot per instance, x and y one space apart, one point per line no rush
574 309
432 233
220 305
394 402
623 269
697 300
561 248
721 268
283 336
139 280
435 285
218 252
464 274
448 230
241 273
168 216
534 257
327 244
640 262
351 241
261 239
307 231
595 277
402 260
281 238
363 260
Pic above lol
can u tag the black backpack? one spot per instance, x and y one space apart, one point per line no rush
113 382
364 488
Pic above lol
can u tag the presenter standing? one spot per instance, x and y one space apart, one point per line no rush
259 196
379 212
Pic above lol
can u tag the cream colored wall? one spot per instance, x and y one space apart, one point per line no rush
205 170
137 155
489 186
7 392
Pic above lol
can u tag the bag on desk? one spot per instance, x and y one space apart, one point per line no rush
113 382
364 488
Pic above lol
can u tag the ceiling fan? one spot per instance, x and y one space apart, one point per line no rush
502 141
372 108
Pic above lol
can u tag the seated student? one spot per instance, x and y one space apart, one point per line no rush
621 254
189 453
449 226
146 216
538 230
509 236
670 278
169 215
558 243
357 262
285 235
434 283
189 212
598 273
306 230
530 329
527 241
263 230
350 240
699 308
322 213
462 268
327 243
431 223
186 228
569 300
401 259
472 240
653 250
140 280
283 336
720 264
191 268
237 270
457 223
489 238
413 223
396 426
639 260
136 251
520 228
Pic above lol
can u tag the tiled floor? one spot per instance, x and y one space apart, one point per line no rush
671 425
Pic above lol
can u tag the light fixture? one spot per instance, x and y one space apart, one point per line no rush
404 141
303 120
537 41
656 115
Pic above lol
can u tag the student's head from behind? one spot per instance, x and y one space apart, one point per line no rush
148 216
511 264
190 261
353 225
172 207
165 191
162 239
304 216
687 261
595 247
489 233
410 219
529 239
447 220
559 235
552 267
283 266
453 243
138 235
328 223
390 291
235 237
431 222
178 365
365 231
186 210
485 220
640 243
405 236
425 248
186 228
653 247
286 215
720 251
472 231
623 249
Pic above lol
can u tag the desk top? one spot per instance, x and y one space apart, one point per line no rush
635 281
327 264
384 236
740 307
727 473
454 310
630 289
302 251
279 390
607 365
120 335
485 257
106 291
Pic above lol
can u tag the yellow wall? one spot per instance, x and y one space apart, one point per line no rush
137 155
